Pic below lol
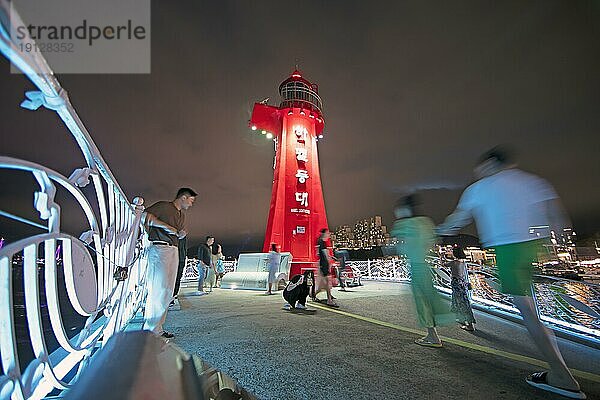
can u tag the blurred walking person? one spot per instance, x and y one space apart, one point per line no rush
341 256
322 282
505 203
461 305
415 239
166 225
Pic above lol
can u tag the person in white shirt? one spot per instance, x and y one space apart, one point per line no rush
505 202
274 261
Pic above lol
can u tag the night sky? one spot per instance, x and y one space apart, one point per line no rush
413 93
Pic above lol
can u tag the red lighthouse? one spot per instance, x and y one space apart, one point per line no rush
297 212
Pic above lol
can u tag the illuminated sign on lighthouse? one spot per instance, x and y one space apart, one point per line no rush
297 212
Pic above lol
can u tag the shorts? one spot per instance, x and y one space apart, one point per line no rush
324 267
514 266
324 270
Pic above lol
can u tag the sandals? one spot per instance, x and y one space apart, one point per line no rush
540 381
427 343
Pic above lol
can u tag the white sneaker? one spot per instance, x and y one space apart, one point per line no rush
286 306
300 306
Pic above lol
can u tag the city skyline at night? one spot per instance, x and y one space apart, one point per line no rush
415 94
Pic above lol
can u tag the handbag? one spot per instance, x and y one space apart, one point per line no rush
220 267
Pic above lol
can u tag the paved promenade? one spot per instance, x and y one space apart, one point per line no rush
363 350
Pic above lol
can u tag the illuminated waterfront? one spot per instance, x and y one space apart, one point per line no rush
554 296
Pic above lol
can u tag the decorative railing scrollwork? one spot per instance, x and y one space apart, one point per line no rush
103 267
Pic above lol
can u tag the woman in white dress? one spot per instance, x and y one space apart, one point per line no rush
274 260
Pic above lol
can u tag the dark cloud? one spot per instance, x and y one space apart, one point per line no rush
413 93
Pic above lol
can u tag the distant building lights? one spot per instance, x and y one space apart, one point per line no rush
269 135
253 127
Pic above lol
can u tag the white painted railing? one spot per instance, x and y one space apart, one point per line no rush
89 263
572 306
190 273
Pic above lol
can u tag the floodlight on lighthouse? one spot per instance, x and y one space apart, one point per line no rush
269 135
253 127
264 132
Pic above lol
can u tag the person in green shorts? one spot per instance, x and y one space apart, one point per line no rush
415 239
505 203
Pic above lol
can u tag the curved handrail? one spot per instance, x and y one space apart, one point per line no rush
89 263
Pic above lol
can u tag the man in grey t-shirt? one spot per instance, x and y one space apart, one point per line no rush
165 222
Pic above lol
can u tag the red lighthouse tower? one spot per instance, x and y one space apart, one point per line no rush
297 212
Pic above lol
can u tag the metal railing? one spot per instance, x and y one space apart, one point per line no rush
190 273
570 306
299 94
109 245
